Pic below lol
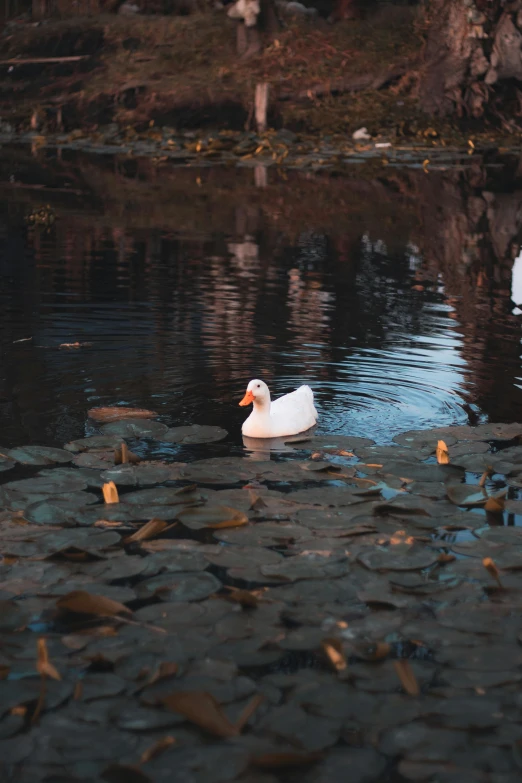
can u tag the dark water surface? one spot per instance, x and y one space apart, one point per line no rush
389 293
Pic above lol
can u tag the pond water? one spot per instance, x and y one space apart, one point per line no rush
391 296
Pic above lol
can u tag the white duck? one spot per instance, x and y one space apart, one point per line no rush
289 415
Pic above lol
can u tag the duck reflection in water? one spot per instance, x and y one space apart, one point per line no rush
260 449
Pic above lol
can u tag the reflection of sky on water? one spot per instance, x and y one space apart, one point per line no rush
516 284
516 294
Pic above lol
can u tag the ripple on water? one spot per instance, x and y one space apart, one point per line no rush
182 323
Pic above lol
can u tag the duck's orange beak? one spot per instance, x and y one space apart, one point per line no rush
247 399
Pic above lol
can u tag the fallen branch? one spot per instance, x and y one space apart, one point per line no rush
44 60
349 84
45 188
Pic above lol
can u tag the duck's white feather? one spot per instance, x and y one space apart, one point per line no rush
288 415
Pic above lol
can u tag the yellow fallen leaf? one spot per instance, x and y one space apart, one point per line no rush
407 677
203 710
442 453
149 530
491 567
110 493
160 746
334 652
43 664
242 597
495 504
249 710
88 603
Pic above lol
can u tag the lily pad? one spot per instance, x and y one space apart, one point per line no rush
303 730
175 559
225 470
163 496
396 558
88 540
308 566
92 478
380 455
146 719
466 495
491 432
118 593
479 463
315 470
514 507
19 501
327 496
94 460
124 512
140 475
330 443
238 557
486 657
248 652
382 677
94 443
426 440
13 615
119 567
416 740
465 448
263 534
6 464
405 504
59 511
179 614
38 455
501 535
47 485
428 489
328 591
471 680
420 471
193 434
135 428
180 586
357 765
205 764
467 713
19 692
330 518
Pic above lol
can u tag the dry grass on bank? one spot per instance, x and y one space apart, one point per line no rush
152 66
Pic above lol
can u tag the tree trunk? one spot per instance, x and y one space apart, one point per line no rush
473 58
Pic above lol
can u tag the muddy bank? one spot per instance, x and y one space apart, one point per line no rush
185 72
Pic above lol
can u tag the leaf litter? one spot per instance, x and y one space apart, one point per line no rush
194 590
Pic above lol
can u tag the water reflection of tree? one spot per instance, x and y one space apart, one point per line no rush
264 283
471 233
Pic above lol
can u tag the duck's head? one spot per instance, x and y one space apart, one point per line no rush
257 392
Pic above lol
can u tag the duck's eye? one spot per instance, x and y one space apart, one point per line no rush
258 385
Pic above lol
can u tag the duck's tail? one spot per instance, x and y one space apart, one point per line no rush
310 396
